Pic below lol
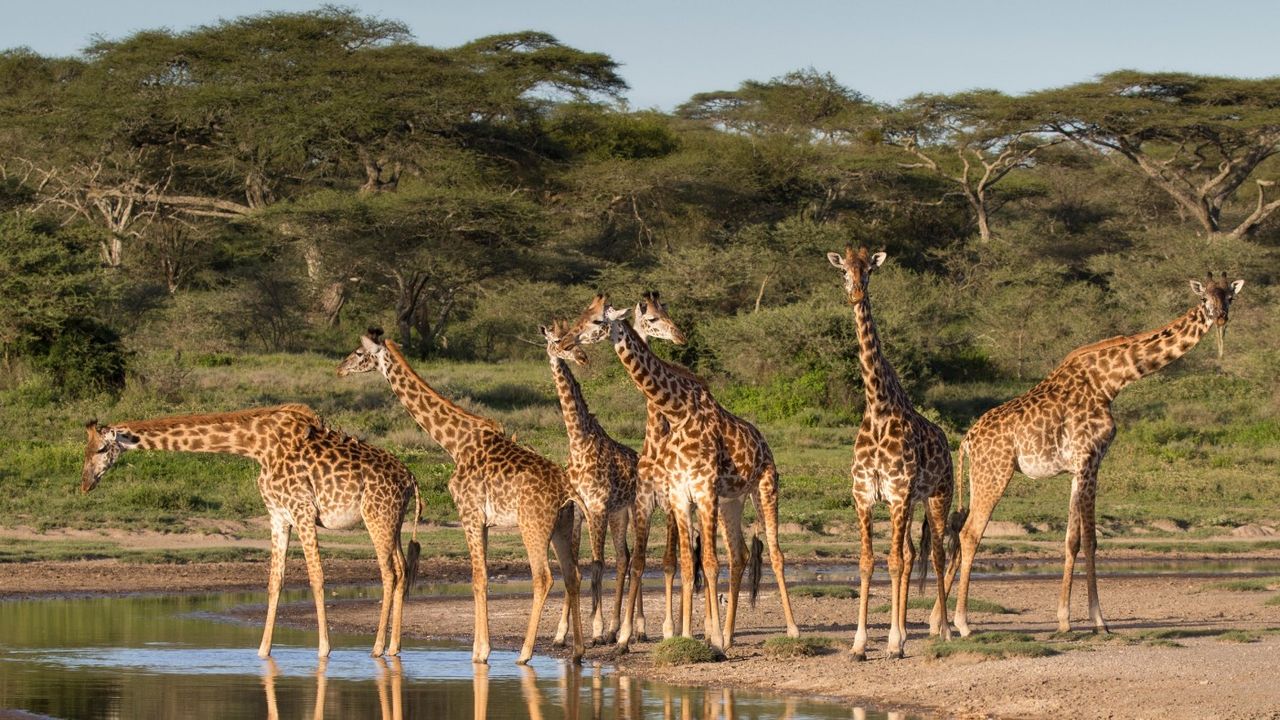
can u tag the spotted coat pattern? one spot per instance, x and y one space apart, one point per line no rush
898 457
310 476
1064 425
495 482
602 472
709 460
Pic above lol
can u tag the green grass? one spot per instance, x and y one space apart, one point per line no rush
788 647
975 605
1273 600
1220 477
1240 636
994 645
684 651
1246 585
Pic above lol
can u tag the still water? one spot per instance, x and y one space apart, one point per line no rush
178 656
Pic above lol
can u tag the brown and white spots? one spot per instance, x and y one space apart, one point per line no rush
899 457
309 476
495 481
1064 425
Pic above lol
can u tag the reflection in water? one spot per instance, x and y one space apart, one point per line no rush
177 657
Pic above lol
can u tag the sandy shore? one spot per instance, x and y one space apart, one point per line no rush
1201 677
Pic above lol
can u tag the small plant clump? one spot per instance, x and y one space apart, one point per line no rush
842 592
995 645
684 651
789 647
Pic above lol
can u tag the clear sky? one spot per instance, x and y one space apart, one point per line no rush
670 49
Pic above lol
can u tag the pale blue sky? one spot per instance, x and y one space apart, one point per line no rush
669 49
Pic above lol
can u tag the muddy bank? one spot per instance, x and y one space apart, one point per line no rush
1206 676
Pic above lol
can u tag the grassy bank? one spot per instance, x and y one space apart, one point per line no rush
1195 455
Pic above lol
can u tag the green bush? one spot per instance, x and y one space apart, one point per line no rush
85 358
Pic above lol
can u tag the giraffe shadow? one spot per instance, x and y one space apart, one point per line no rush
509 396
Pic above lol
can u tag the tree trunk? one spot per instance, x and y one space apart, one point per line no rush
331 302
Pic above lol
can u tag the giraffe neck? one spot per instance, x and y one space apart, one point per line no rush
879 380
1144 353
256 434
446 423
578 420
668 389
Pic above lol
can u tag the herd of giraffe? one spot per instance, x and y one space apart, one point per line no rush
700 463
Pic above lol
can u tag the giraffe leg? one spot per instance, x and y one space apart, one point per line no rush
382 541
669 557
562 539
275 579
899 518
398 594
731 526
1072 548
684 525
866 566
621 556
1089 536
766 499
641 524
315 572
938 507
596 524
562 628
478 547
707 513
988 486
535 547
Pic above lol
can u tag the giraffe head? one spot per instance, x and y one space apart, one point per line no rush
104 447
651 320
555 335
593 324
857 268
371 355
1216 297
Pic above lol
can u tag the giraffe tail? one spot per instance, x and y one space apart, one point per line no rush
756 566
923 559
956 521
698 579
415 549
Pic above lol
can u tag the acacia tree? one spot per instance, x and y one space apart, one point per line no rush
1197 138
973 140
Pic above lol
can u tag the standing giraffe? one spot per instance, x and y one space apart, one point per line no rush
651 489
602 472
311 476
1064 424
495 482
899 457
711 459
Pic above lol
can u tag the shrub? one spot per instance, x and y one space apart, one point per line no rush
684 651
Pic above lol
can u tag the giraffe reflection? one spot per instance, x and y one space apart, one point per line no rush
271 671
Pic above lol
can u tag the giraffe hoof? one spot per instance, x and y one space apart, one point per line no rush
610 638
559 643
642 636
860 656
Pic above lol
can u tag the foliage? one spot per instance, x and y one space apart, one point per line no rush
680 650
788 647
995 645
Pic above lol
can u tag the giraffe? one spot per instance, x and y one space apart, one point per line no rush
602 472
899 457
311 476
495 482
711 460
650 482
1064 425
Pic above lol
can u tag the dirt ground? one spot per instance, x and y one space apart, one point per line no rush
1124 676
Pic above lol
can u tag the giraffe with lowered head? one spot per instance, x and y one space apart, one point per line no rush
1064 425
899 457
310 476
712 461
495 483
602 472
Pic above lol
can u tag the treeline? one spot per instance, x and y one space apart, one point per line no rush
276 182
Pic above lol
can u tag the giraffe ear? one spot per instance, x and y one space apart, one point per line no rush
1236 287
836 259
546 332
617 313
1197 288
369 344
877 260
